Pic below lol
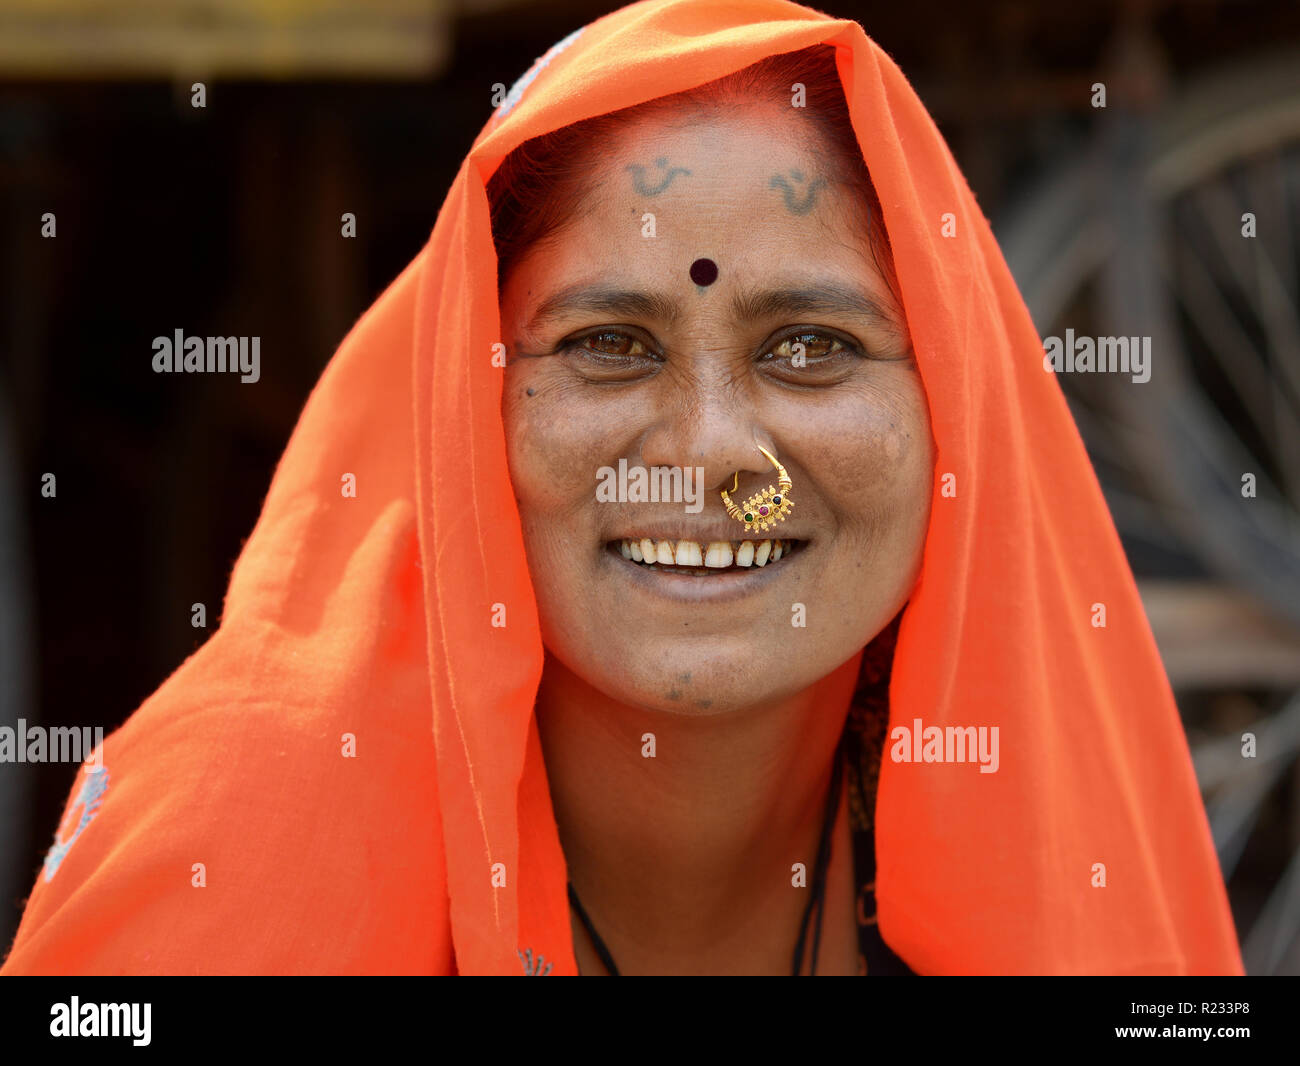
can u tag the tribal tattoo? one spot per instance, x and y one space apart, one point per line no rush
666 176
788 191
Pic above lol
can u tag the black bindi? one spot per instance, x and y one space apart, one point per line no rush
704 272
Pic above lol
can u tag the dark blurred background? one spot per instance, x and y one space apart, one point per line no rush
225 220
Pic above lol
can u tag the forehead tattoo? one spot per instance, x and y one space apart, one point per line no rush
704 272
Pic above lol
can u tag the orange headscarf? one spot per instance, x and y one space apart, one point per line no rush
230 832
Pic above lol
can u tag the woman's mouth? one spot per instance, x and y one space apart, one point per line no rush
704 559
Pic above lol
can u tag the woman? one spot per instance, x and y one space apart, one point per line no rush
667 764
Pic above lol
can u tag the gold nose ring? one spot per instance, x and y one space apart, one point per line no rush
764 509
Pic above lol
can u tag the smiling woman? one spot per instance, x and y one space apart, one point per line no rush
471 715
625 355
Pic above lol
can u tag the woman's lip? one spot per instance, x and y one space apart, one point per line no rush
725 586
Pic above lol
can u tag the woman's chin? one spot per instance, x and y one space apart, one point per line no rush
674 675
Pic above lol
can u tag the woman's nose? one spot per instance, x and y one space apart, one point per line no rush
718 434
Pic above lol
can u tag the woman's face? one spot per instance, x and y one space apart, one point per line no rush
616 353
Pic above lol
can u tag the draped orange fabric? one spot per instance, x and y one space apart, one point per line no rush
372 616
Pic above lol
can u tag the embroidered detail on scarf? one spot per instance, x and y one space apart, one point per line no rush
533 967
88 800
518 88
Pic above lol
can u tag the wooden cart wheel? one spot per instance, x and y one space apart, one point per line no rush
1182 223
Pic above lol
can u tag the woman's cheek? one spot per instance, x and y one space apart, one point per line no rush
557 438
875 444
542 443
901 468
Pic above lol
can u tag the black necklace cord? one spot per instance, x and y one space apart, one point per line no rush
819 871
818 898
603 952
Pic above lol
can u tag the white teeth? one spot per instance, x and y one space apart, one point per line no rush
689 554
719 554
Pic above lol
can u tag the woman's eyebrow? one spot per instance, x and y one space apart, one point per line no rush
600 299
822 298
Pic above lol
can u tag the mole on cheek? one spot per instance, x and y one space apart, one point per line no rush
531 392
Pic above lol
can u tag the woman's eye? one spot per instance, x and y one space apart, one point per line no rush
612 342
803 349
611 355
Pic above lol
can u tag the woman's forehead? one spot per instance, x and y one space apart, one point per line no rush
719 232
719 202
650 156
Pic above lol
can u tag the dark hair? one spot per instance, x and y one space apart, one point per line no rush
541 185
